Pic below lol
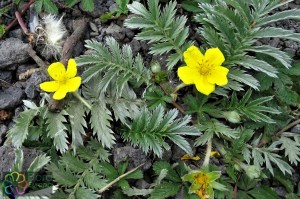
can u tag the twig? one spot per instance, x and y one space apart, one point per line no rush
13 22
36 58
279 133
118 178
72 40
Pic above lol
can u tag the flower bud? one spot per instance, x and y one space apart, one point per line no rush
232 116
155 67
252 171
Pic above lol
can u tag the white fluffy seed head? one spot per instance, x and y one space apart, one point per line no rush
51 35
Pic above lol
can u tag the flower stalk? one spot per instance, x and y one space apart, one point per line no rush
208 153
83 101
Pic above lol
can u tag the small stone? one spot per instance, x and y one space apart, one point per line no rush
11 98
99 9
93 27
32 84
135 46
7 158
296 129
13 51
17 33
280 191
3 130
274 42
113 8
6 76
76 12
129 33
135 157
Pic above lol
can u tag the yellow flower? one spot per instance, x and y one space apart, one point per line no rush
203 182
203 70
64 80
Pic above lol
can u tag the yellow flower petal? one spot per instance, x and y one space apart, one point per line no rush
73 84
192 57
187 74
72 69
218 75
60 93
203 86
214 56
189 157
215 154
51 86
57 71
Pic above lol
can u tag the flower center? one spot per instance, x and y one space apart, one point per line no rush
202 180
204 67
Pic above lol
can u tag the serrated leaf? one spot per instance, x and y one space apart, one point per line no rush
57 130
94 181
20 130
263 192
84 193
165 190
63 177
100 122
77 120
38 163
88 5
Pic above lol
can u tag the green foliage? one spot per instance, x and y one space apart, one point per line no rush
149 129
88 5
253 109
165 32
2 30
20 130
115 62
47 5
212 128
222 19
80 175
122 7
112 173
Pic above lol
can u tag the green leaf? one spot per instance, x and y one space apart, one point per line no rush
73 163
94 181
149 128
50 7
20 130
165 31
286 182
19 160
57 129
100 122
71 3
263 192
283 15
137 192
78 123
165 190
259 65
83 193
62 176
277 32
2 30
88 5
38 163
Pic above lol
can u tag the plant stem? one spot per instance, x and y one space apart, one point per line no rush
118 178
208 151
180 86
11 24
21 22
82 100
